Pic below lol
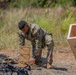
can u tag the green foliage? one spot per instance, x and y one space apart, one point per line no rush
73 2
19 3
45 23
38 3
66 21
65 3
52 20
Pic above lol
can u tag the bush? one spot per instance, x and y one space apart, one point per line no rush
19 3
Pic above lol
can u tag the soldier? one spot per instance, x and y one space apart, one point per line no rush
39 39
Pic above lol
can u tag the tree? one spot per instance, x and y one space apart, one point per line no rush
74 2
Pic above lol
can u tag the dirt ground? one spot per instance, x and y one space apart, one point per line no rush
64 62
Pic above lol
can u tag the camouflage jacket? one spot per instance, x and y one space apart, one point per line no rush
36 35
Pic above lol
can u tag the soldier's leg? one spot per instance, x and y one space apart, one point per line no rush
36 52
50 48
38 55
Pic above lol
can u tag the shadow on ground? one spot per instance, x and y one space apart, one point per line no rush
58 68
44 60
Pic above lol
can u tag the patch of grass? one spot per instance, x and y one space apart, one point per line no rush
45 23
66 21
54 20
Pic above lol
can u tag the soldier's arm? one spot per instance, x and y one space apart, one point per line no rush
21 39
38 47
35 32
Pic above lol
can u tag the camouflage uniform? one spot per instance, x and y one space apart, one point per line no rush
39 39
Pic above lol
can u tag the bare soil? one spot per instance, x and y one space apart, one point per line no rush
64 62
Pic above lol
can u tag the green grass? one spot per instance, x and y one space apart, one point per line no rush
54 20
41 3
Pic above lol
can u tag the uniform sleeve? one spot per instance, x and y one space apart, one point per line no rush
38 47
21 39
34 28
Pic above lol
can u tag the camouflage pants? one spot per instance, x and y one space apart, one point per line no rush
37 51
50 48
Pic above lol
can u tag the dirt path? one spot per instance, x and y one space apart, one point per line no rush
64 62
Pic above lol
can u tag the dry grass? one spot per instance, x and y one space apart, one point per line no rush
55 20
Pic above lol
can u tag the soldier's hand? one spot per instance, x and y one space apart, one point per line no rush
32 61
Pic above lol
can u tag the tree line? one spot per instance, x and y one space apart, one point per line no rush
35 3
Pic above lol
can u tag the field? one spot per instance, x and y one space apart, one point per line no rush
55 20
64 62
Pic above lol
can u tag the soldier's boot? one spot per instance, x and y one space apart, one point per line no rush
48 66
38 61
